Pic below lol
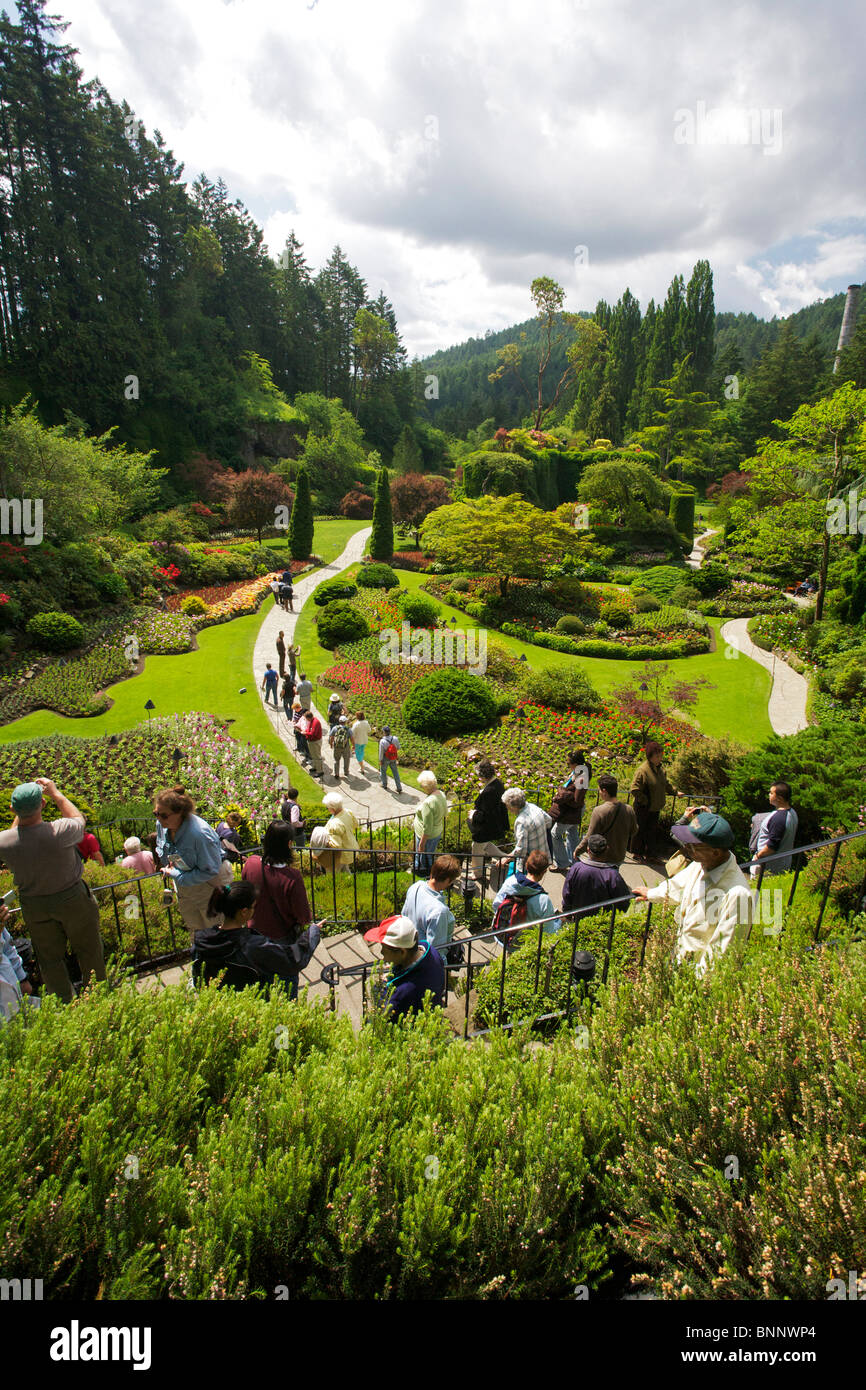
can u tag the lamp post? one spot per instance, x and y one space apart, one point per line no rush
149 706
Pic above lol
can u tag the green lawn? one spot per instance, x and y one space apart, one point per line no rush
736 706
331 537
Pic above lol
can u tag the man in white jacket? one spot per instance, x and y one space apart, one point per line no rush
714 903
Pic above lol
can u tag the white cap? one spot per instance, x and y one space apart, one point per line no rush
398 932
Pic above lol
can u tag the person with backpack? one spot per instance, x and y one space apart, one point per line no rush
416 972
522 900
360 736
531 826
340 742
389 752
567 811
239 953
312 730
592 880
290 812
269 684
613 819
282 908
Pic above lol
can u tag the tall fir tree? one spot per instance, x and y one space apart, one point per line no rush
382 537
407 454
301 519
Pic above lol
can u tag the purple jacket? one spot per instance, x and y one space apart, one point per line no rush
588 883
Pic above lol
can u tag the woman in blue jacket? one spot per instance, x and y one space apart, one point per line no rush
191 853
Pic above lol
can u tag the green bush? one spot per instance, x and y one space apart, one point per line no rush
419 610
561 687
462 586
377 577
449 702
55 632
334 589
684 596
824 766
570 623
193 606
111 587
615 613
705 766
339 622
566 591
661 580
645 602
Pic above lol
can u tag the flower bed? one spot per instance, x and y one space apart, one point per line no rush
410 560
164 634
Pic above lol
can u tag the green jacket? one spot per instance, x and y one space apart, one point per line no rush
650 788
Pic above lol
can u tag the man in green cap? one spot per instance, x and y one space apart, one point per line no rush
57 905
714 903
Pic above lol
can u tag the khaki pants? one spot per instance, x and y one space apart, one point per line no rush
493 874
58 920
314 748
193 899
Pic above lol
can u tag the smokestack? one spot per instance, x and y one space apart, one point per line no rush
846 332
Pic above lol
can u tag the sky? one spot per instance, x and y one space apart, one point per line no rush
457 149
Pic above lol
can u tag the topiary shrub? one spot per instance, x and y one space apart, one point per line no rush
193 606
55 632
561 687
462 586
340 623
449 702
645 602
615 614
334 589
377 577
419 610
569 622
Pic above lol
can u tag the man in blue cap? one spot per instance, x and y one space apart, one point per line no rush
714 903
57 905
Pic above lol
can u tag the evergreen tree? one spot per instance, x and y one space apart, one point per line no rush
382 537
407 454
699 321
301 519
785 378
852 361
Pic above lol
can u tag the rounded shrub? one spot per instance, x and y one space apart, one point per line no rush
570 623
449 702
334 589
193 606
55 632
340 622
419 610
561 687
462 586
645 602
684 596
615 614
377 577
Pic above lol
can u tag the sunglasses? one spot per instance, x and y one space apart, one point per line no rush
163 815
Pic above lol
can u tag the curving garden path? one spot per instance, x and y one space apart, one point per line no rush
362 792
787 704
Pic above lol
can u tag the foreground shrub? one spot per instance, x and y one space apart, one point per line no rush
561 687
377 577
334 589
55 632
449 701
340 622
824 766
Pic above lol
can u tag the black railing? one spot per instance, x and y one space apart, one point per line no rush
332 974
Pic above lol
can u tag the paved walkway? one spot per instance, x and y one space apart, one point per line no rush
696 557
362 792
787 706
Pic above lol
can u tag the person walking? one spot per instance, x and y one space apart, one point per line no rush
286 594
531 826
360 732
287 695
282 910
649 789
426 905
592 879
293 654
335 709
429 822
312 730
281 652
416 971
714 905
57 906
247 956
290 812
613 819
521 899
191 853
777 831
340 742
342 831
389 752
269 684
275 590
298 719
488 820
567 811
304 691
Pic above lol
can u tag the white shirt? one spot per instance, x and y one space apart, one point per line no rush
713 907
360 731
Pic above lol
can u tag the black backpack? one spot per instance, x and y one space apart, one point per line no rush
214 958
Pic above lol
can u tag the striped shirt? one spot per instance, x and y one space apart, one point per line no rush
530 833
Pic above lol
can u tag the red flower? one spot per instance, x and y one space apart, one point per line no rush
4 598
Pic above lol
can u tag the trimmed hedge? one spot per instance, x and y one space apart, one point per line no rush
449 702
334 589
692 645
377 577
338 623
55 632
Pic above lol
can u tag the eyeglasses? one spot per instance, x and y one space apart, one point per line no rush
163 815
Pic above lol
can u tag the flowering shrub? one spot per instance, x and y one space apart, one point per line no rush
777 631
409 560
